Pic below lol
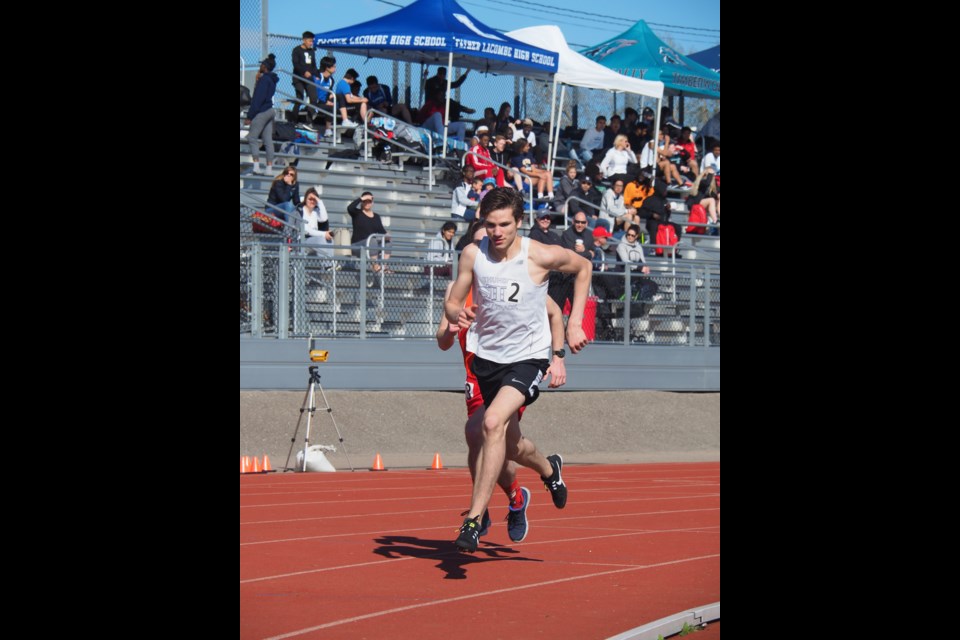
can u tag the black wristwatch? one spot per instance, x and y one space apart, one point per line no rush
560 354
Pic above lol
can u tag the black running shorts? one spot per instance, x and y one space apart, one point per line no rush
524 376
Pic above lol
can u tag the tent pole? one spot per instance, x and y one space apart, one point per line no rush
553 104
446 112
559 121
656 133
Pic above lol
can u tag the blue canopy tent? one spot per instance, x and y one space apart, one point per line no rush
639 53
441 32
710 58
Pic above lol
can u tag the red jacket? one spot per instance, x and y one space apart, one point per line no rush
483 167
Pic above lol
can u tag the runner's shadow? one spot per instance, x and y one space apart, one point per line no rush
451 560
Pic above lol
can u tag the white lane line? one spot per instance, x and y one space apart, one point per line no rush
460 496
537 585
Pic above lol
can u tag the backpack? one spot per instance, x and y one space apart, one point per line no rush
284 131
245 98
666 235
698 215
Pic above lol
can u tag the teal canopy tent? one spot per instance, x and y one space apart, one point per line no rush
639 53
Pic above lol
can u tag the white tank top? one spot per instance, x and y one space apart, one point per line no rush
511 324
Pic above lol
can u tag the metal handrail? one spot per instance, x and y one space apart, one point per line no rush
410 150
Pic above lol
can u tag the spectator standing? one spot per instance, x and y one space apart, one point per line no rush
439 82
365 224
304 57
260 115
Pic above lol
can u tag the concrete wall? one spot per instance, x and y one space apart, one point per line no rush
379 364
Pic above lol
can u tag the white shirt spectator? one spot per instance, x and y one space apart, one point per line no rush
313 219
616 161
439 244
710 159
631 253
518 135
647 157
592 140
614 203
461 202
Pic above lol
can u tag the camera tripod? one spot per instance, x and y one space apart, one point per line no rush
309 407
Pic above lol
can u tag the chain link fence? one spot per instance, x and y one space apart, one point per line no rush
287 292
251 40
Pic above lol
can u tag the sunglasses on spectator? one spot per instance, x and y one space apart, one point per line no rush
579 222
631 235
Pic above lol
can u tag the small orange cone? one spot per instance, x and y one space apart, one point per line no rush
242 471
267 468
256 465
247 465
437 463
378 464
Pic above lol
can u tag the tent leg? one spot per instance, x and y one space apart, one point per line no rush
446 127
550 147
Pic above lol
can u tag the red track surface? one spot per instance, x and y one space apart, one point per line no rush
371 555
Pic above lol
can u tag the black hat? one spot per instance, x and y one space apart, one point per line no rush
270 62
647 111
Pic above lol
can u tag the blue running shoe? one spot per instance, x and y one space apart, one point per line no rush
485 523
517 525
558 490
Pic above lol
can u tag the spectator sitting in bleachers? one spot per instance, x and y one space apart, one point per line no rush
569 186
590 194
665 150
525 133
476 188
630 120
442 242
614 165
638 190
611 132
630 251
704 192
591 143
467 238
365 224
463 205
503 118
381 99
656 211
431 117
489 120
579 237
639 136
687 153
348 102
502 156
316 224
541 179
284 194
600 239
712 159
479 156
620 215
489 184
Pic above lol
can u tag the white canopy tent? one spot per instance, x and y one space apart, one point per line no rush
576 70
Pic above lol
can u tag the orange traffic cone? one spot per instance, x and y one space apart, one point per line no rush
437 463
378 464
247 466
256 465
242 471
267 468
